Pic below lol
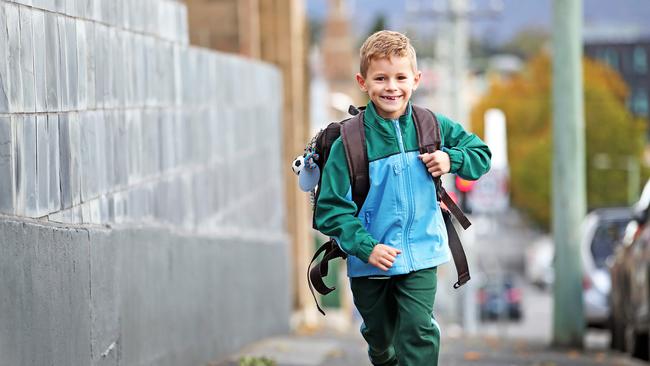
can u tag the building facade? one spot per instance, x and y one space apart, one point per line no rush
630 56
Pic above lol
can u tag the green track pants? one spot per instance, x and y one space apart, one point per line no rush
398 321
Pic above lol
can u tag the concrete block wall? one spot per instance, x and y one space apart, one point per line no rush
107 116
134 296
141 204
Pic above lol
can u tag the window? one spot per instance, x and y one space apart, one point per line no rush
640 60
640 102
607 236
611 58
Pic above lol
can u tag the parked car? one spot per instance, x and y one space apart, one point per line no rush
539 262
499 297
630 296
602 232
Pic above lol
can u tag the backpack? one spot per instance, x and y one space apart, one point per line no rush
352 133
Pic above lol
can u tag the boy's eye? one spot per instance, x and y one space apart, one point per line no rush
379 78
401 77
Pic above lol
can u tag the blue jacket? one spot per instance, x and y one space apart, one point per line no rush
401 209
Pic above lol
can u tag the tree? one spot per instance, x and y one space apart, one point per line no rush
611 131
378 24
528 42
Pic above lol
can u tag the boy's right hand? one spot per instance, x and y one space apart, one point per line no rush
383 256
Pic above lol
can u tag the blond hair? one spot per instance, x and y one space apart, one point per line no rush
384 44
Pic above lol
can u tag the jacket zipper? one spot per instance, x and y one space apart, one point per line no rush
409 196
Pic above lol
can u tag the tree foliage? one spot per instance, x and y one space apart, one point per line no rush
611 131
528 42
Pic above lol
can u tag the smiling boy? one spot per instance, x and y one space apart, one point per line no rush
397 239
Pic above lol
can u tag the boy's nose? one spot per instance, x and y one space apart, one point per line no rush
390 85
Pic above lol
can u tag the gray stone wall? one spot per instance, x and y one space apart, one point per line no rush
107 116
141 204
146 296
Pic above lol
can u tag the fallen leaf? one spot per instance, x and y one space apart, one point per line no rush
472 356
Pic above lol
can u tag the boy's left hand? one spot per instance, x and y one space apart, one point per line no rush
437 163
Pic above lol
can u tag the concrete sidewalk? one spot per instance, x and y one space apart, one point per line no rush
331 348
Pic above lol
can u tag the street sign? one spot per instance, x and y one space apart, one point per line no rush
490 193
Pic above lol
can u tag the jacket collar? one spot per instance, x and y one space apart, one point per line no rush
372 115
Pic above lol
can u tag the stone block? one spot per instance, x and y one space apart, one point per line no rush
140 69
44 4
100 59
97 118
60 6
26 165
69 152
107 137
121 149
54 163
118 57
82 66
150 71
40 80
91 52
88 154
27 59
135 145
167 138
82 8
71 8
24 2
64 77
13 47
129 75
65 161
93 10
72 64
53 60
42 166
4 64
151 145
7 167
185 26
104 217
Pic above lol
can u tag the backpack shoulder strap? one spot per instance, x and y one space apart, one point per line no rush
353 134
426 126
428 131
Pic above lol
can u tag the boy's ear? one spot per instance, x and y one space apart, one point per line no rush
418 76
362 83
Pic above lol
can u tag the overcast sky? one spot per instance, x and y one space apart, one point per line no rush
516 15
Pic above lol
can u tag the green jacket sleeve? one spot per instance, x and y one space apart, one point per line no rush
335 210
469 155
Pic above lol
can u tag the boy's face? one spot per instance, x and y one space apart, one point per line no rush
389 83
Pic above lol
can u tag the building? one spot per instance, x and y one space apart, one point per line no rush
627 51
274 31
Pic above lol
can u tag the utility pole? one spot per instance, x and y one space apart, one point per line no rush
459 42
568 195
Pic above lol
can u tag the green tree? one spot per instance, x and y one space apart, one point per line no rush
611 131
378 24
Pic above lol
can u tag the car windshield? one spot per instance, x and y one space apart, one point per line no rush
607 236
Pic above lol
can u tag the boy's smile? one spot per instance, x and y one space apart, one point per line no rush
389 83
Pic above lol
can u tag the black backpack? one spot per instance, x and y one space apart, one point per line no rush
352 133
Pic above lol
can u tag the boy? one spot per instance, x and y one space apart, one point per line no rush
398 238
